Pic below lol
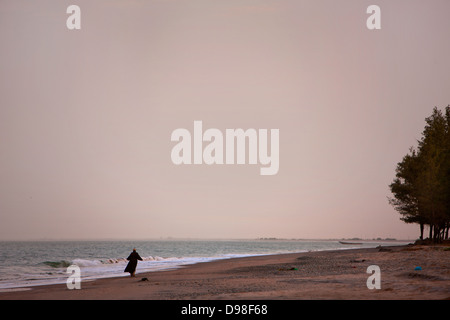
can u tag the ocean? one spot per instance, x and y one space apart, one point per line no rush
25 264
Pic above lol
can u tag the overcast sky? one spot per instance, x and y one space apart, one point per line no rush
86 115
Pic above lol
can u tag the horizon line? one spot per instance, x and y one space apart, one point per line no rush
203 239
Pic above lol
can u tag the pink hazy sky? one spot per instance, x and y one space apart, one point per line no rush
86 115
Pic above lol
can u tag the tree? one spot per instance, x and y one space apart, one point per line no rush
404 187
421 187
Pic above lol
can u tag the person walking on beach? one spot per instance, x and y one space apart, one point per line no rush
131 266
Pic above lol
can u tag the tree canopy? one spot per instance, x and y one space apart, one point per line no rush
421 187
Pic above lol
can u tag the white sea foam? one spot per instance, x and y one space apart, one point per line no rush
87 263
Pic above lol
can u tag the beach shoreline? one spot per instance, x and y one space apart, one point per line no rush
324 275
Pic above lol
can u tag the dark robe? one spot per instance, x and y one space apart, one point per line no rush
133 258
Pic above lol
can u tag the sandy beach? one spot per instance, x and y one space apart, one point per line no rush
340 274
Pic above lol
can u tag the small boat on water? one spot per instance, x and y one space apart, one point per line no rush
348 242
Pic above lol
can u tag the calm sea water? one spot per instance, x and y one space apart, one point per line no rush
24 264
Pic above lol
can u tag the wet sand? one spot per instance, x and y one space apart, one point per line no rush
336 275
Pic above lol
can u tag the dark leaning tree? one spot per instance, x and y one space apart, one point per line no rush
421 187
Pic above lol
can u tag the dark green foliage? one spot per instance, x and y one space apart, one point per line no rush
421 187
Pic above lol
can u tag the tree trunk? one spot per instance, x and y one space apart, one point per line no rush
421 231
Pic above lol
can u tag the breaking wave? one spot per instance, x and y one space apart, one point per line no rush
98 262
